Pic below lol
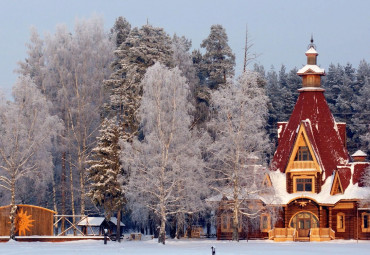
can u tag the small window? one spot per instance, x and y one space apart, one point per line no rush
224 222
304 184
341 222
365 225
303 154
265 222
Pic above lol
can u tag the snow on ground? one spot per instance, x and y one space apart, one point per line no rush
187 247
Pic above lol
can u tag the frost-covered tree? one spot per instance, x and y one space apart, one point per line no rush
105 172
34 65
238 124
166 165
361 106
26 132
219 60
72 68
141 49
121 29
275 93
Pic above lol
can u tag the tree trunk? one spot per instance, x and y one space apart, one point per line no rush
72 196
82 188
235 225
63 182
190 223
118 232
55 202
235 236
13 210
162 231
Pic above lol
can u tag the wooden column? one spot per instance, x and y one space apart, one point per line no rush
286 223
320 213
330 217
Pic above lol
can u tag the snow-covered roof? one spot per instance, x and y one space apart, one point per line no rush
97 221
353 191
359 153
91 221
114 221
313 112
311 69
312 50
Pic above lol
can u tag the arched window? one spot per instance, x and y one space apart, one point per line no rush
304 220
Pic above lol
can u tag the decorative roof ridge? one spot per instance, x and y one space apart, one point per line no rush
311 89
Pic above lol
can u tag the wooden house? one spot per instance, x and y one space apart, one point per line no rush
316 182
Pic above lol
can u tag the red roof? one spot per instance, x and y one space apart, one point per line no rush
313 112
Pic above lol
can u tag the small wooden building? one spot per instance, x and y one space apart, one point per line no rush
96 226
317 184
30 221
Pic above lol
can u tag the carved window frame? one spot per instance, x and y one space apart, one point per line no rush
341 218
365 216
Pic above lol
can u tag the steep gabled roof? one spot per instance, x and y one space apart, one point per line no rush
336 187
313 112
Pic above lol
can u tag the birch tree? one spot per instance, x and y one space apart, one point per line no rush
239 135
166 165
27 130
69 68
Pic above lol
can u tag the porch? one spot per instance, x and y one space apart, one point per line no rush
291 234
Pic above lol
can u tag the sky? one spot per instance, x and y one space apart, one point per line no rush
279 30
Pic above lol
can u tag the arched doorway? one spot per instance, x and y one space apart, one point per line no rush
303 222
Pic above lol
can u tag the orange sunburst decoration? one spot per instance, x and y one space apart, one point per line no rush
23 222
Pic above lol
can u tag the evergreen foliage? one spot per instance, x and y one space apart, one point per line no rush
105 172
219 60
142 48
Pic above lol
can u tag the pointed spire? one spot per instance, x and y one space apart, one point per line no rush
311 45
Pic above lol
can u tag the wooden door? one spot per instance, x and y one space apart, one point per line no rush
304 226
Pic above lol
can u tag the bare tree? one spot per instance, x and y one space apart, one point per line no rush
27 130
167 169
239 136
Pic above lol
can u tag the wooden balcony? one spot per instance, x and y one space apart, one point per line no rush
303 165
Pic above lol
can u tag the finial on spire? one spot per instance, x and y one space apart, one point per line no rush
311 45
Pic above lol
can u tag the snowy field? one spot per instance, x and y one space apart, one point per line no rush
188 247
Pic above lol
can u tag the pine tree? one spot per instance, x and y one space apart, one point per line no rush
275 93
121 29
105 172
219 60
361 107
142 48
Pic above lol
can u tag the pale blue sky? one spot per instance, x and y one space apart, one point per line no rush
280 29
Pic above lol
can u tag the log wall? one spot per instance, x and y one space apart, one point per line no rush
37 221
